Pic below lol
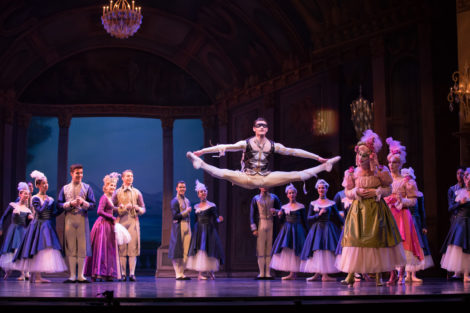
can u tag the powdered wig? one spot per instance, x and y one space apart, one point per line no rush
110 178
396 150
22 186
290 187
38 177
371 140
322 182
408 172
200 186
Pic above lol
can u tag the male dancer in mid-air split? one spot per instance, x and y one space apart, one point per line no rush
256 150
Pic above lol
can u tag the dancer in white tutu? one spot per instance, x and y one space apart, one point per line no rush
371 240
21 215
40 250
318 254
206 253
290 240
456 248
256 151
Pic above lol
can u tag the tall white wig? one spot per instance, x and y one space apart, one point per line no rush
396 150
370 140
289 187
23 186
322 182
200 186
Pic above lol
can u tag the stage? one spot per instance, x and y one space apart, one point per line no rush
151 293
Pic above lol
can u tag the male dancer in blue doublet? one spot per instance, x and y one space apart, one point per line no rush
451 191
76 199
180 231
264 207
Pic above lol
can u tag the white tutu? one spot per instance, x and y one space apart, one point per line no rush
6 261
286 261
370 260
201 262
455 260
45 261
322 261
414 265
122 235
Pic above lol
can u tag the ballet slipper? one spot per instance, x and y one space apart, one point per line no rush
291 276
325 277
329 163
314 277
197 162
349 280
393 278
378 279
415 279
201 277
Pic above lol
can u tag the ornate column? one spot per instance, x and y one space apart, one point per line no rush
64 120
428 144
164 266
210 138
223 185
379 86
7 101
22 123
463 45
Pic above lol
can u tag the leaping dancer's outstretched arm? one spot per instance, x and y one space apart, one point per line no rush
221 149
279 148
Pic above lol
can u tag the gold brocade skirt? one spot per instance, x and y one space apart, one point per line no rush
371 240
370 224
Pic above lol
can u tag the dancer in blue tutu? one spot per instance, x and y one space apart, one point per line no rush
290 241
40 250
318 254
456 248
206 253
20 217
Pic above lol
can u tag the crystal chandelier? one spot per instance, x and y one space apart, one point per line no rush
120 19
362 114
460 92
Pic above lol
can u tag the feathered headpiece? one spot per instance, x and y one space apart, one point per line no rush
37 175
200 186
112 177
396 150
371 140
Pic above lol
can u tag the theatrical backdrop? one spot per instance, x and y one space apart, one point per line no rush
197 73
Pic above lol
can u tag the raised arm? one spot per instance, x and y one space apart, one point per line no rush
221 149
279 148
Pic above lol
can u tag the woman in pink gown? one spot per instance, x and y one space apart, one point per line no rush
404 196
104 262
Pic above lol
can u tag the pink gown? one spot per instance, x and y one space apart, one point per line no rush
406 189
104 261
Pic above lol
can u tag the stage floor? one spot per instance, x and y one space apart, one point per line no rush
245 292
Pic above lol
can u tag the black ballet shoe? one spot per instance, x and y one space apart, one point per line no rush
123 278
69 281
185 278
132 278
83 281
